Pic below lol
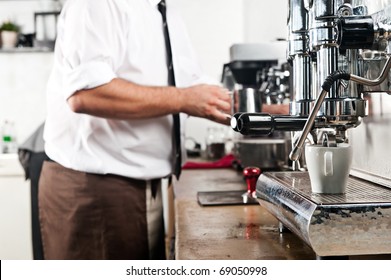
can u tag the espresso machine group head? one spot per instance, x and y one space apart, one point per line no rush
339 52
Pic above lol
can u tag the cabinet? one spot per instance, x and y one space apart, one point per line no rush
15 210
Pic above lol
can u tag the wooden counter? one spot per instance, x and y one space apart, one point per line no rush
227 232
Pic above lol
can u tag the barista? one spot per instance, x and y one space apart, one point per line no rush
108 131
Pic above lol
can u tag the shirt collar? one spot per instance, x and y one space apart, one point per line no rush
154 2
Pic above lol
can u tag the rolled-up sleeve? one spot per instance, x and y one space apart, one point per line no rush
87 75
92 43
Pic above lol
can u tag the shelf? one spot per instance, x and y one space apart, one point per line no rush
26 50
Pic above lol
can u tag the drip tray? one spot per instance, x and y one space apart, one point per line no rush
355 223
219 198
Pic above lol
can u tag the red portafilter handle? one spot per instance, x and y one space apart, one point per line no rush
251 175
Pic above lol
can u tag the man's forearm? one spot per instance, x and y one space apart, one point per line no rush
121 99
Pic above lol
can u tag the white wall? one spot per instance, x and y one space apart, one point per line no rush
22 90
23 75
264 20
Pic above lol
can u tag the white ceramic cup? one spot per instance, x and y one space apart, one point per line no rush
328 167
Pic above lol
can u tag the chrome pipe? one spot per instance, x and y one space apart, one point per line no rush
297 150
383 75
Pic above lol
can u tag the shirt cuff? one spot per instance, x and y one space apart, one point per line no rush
86 76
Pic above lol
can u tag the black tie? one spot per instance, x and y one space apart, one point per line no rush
177 157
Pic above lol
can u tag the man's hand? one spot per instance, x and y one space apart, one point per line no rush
207 101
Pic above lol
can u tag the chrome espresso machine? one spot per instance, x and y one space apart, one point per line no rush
340 53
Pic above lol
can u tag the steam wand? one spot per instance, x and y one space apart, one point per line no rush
333 77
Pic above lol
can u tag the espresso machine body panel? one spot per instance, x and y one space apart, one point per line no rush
371 142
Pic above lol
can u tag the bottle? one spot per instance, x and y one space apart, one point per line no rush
215 143
8 138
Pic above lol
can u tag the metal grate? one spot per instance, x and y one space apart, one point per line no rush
358 191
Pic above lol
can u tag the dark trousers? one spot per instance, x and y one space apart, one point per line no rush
35 165
91 216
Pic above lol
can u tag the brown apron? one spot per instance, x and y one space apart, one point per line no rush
92 216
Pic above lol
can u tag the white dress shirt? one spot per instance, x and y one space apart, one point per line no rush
97 41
